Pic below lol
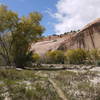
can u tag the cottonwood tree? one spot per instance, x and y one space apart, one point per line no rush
17 34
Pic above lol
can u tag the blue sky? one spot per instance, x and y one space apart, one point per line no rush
59 16
24 7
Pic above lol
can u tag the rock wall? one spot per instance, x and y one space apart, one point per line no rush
88 38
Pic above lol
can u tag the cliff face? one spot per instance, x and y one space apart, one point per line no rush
48 45
87 38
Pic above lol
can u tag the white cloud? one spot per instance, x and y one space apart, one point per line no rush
74 14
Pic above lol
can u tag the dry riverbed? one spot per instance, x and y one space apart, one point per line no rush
74 84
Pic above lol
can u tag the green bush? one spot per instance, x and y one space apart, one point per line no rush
94 56
36 58
56 57
77 56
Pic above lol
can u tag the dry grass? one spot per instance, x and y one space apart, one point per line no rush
33 85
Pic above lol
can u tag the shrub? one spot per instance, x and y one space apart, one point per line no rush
77 56
36 58
94 56
18 34
56 57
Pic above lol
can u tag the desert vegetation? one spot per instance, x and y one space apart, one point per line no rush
19 80
16 35
33 85
73 56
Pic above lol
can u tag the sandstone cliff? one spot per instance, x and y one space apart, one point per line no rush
87 38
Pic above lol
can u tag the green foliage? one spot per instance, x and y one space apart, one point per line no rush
25 85
29 85
12 74
55 57
77 56
74 56
94 56
36 58
17 35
